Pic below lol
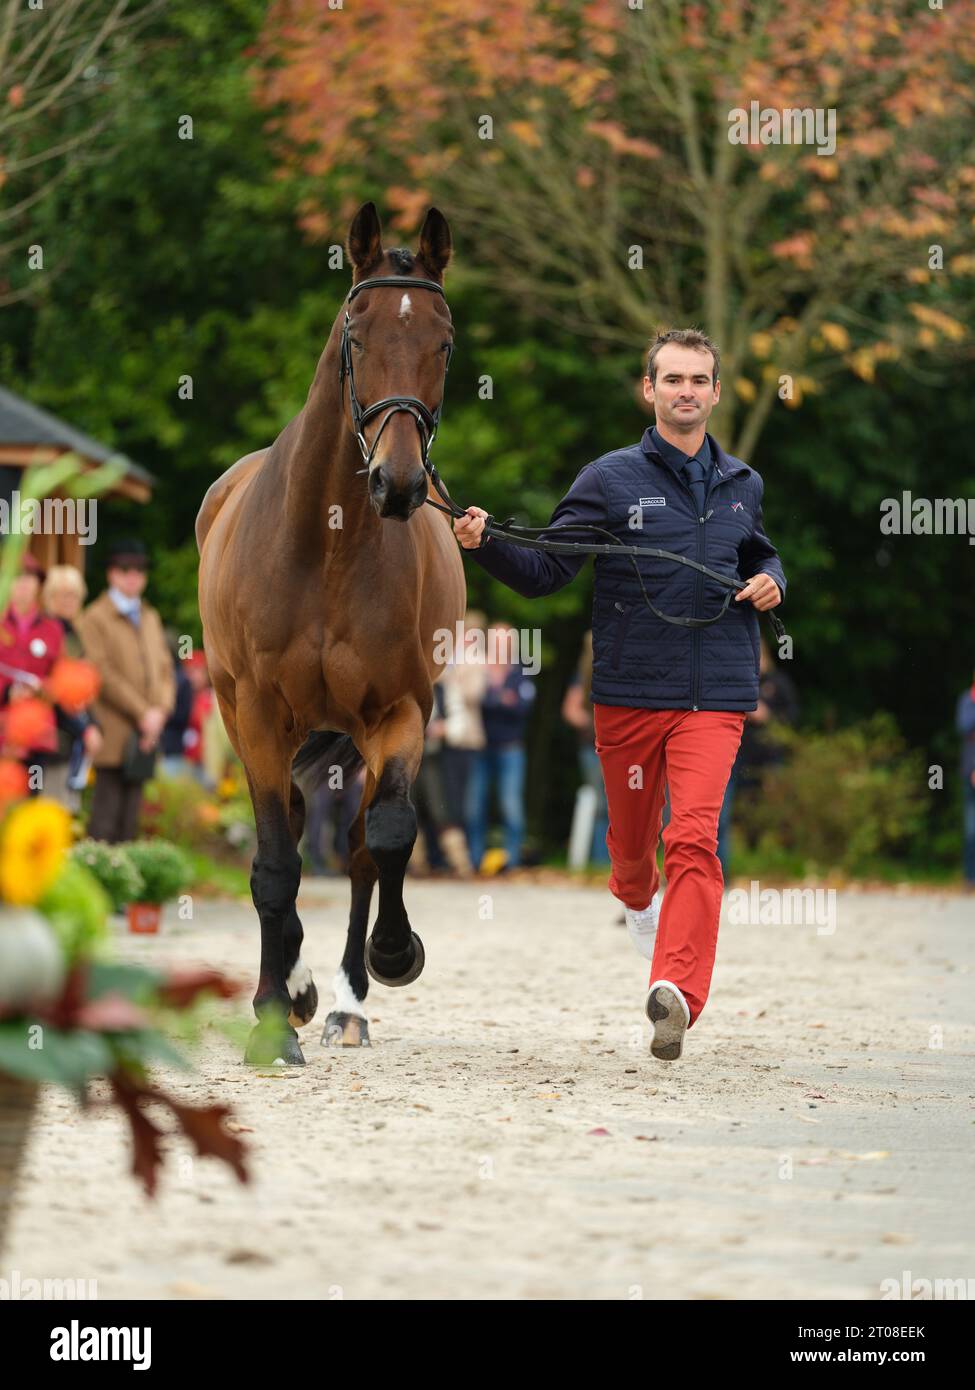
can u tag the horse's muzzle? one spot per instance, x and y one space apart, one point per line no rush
396 499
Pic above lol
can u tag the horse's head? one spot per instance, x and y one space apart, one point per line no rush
398 343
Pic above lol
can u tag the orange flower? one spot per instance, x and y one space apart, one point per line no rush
13 781
73 684
29 725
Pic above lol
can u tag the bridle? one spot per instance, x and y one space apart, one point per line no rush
427 422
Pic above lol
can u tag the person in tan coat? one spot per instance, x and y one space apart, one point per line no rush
123 637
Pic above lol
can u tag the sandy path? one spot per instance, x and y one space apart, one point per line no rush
456 1159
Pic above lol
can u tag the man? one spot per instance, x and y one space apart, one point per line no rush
123 637
669 701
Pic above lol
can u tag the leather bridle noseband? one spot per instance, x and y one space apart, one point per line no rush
426 420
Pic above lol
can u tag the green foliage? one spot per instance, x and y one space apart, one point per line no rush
841 800
112 867
76 905
182 810
164 869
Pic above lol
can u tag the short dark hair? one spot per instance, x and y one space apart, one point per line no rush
682 337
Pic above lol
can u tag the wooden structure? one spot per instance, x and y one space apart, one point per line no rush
29 437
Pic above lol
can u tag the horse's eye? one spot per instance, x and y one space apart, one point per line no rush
445 347
355 343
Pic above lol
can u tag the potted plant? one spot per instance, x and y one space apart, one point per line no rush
114 870
165 872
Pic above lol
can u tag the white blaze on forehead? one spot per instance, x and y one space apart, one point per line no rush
405 307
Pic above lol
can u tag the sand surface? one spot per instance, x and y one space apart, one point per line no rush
508 1134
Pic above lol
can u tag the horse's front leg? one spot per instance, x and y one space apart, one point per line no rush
347 1025
275 877
394 952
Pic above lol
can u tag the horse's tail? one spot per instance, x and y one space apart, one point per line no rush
321 753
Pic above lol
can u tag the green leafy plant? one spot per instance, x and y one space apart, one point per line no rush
76 905
840 800
113 868
163 867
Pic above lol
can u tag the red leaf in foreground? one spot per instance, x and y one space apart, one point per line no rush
181 987
112 1013
203 1125
146 1151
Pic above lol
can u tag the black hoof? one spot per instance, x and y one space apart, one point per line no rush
400 968
345 1030
304 1006
267 1046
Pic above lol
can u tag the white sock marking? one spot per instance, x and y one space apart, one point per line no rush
345 1000
299 979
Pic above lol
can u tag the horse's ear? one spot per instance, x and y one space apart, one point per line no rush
365 237
435 244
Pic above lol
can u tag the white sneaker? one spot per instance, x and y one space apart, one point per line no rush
642 926
667 1010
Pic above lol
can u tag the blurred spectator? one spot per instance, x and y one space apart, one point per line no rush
965 725
173 761
428 797
182 743
78 734
30 644
330 814
508 699
124 638
463 684
778 704
201 708
577 711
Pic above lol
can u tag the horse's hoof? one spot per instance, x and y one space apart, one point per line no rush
304 1006
383 969
345 1030
269 1047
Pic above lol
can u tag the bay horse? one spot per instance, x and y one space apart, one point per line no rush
320 592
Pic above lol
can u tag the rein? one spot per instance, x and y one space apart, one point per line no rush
529 537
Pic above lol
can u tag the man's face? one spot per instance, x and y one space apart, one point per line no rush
130 580
683 397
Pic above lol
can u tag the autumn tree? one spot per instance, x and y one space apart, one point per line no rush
618 166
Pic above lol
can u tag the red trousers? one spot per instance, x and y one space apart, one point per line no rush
692 751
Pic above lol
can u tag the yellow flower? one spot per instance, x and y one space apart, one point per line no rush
35 838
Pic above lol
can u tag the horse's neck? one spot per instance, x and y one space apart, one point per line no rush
326 496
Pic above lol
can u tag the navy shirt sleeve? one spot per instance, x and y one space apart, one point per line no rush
535 573
757 554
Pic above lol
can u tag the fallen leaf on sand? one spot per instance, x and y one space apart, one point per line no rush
599 1130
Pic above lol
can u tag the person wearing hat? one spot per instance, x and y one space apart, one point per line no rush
30 644
124 638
